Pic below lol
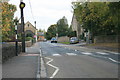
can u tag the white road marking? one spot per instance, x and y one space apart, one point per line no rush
113 60
75 50
101 57
42 70
71 54
115 53
56 54
57 69
102 53
86 53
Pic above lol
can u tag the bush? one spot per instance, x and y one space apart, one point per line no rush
28 38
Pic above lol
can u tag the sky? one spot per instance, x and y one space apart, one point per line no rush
44 12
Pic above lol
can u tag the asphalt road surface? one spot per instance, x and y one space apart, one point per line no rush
69 61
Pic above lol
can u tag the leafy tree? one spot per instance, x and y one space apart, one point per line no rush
115 15
51 32
100 18
71 33
40 30
7 20
62 27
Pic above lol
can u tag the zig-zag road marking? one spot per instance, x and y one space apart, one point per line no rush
57 69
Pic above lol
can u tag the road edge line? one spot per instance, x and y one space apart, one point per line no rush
43 73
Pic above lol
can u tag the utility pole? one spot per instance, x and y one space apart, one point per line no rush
22 5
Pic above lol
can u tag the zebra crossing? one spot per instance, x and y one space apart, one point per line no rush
94 54
81 53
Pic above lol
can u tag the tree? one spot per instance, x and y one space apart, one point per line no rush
71 33
115 15
62 27
7 20
98 17
40 30
51 32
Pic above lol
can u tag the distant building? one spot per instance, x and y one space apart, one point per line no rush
30 30
76 26
41 36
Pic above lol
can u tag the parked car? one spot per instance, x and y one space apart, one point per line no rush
54 40
74 40
44 40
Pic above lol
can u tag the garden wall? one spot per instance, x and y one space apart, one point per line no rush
107 39
8 49
63 39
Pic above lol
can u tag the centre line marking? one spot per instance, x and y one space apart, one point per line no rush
57 69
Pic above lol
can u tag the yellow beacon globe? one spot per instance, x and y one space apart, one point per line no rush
22 5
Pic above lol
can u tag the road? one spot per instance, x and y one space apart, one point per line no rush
69 61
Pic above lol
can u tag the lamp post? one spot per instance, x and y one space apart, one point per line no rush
22 5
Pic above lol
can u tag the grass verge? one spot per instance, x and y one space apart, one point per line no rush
65 42
114 45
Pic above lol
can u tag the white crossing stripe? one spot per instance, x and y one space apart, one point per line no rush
71 54
102 53
56 54
86 53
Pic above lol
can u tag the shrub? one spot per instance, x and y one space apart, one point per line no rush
28 38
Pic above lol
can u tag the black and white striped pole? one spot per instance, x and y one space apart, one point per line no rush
16 38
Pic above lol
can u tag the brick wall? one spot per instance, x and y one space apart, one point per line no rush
63 39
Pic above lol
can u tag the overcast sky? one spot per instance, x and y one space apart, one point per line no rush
45 12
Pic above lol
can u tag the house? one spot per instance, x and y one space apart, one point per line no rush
30 30
76 26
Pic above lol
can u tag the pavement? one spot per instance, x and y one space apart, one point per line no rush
22 66
25 65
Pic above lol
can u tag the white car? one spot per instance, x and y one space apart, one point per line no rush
54 40
74 40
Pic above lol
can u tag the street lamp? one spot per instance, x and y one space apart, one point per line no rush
22 5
